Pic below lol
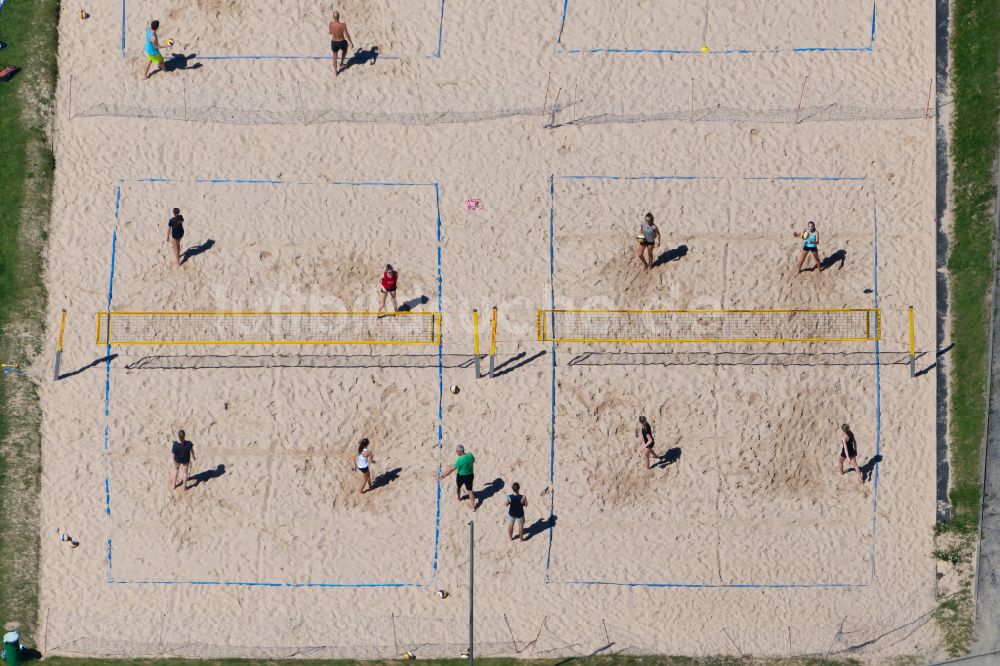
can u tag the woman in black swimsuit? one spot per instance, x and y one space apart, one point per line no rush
175 232
849 452
646 437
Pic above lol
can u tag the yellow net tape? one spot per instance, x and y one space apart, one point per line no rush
268 328
708 325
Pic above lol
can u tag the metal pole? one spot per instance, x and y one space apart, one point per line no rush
59 346
913 355
472 584
475 341
493 340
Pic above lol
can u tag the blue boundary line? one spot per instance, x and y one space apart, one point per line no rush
283 57
859 179
744 586
107 386
262 181
878 391
552 424
440 426
435 54
562 21
791 49
107 475
123 28
878 382
107 355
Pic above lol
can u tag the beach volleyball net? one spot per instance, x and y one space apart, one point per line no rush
268 328
678 326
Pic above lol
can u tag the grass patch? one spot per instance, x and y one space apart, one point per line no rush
26 168
975 57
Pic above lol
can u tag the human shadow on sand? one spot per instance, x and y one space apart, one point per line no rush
491 489
196 250
673 254
669 457
385 478
869 467
407 306
181 61
838 257
204 477
539 526
360 57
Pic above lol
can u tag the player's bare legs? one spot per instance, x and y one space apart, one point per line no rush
802 260
641 253
819 264
647 455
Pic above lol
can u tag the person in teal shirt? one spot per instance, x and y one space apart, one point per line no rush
151 48
466 475
810 246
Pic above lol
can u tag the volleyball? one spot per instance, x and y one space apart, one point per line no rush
169 42
407 656
442 594
84 15
455 389
704 49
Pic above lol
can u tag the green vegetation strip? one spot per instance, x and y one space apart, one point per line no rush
26 167
975 48
976 56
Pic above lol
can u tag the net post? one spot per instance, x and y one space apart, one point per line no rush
913 354
59 346
472 588
475 341
554 110
493 340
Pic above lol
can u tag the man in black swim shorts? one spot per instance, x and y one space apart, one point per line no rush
340 39
849 452
183 452
466 474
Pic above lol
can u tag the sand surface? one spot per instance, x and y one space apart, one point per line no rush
742 540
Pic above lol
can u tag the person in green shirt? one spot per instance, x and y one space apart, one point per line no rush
464 466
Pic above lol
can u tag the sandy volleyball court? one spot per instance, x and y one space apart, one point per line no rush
742 539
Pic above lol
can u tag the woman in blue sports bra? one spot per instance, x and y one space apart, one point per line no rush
810 245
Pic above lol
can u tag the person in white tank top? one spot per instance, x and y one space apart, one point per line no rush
364 461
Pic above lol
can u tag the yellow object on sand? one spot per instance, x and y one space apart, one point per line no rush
704 49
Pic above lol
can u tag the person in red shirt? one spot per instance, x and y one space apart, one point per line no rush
387 286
